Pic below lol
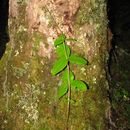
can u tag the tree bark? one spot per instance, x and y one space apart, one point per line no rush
28 90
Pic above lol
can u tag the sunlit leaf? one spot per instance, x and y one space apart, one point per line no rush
59 65
78 84
61 50
77 60
62 90
59 40
66 75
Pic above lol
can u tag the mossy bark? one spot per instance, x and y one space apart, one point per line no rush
28 91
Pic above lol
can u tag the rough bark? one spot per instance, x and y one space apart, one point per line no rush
28 91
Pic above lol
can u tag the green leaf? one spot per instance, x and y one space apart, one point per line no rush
77 60
72 39
61 50
62 90
78 84
59 65
59 40
65 76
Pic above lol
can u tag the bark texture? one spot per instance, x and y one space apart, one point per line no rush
28 91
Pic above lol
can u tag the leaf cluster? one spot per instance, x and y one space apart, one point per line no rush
62 65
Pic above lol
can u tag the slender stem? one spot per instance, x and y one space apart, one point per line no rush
68 70
69 96
69 89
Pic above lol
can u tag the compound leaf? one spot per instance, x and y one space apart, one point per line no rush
77 60
59 40
59 65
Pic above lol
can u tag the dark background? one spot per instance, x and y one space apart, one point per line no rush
4 37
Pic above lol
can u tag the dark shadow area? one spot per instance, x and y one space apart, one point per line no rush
4 36
119 22
119 64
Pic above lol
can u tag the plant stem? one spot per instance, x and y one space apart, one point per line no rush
69 96
68 70
69 90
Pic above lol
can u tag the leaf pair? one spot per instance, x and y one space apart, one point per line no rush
61 63
76 84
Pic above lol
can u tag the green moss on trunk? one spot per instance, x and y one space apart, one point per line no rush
31 92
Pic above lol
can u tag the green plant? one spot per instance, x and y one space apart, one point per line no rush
62 66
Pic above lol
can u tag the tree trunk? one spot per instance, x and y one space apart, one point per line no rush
28 90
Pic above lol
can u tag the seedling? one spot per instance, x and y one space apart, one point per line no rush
62 67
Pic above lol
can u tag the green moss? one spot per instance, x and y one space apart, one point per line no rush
82 16
21 2
38 38
30 82
49 17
